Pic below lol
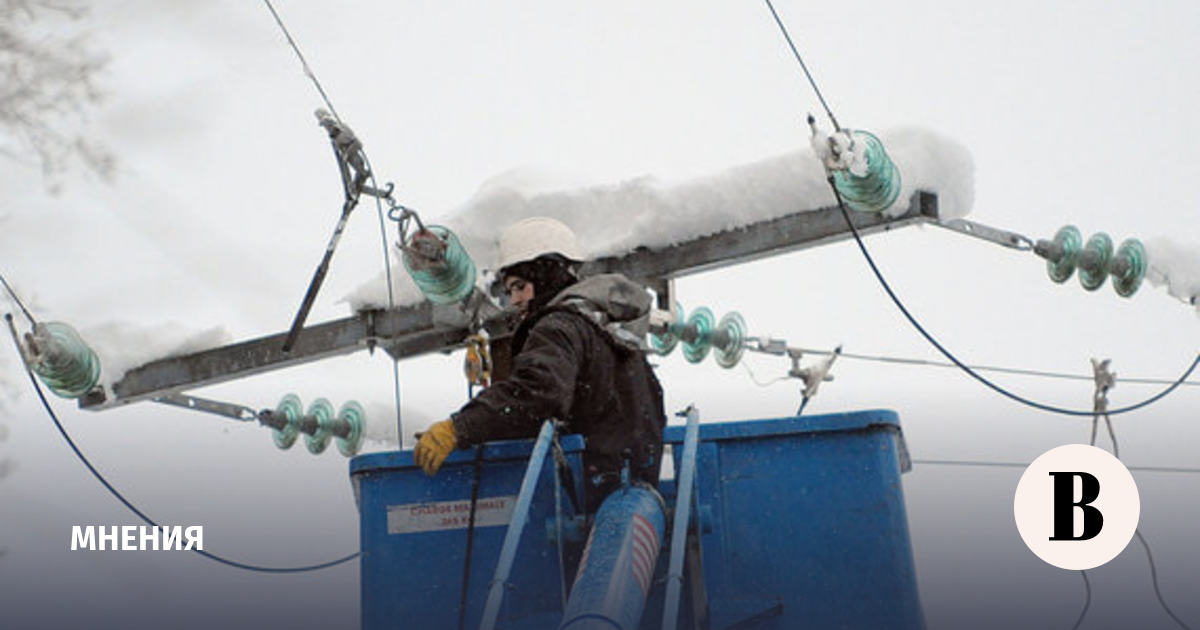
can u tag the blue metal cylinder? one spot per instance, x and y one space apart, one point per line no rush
618 562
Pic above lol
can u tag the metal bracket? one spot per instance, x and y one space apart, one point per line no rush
217 407
986 232
664 293
767 345
813 375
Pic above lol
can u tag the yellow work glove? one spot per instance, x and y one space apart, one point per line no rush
433 447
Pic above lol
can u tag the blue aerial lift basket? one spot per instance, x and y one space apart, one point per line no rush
801 525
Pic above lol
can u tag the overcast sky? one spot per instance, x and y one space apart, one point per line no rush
1073 112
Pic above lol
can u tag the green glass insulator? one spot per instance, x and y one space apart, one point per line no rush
290 408
1094 261
353 415
1132 257
702 321
66 364
878 189
322 410
664 342
733 328
1070 241
439 265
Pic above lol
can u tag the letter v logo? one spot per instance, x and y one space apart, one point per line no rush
1076 506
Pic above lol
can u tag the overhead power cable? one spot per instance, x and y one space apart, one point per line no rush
303 62
966 368
983 368
1142 539
912 320
20 304
917 325
211 556
142 515
1087 601
803 66
1154 580
1004 464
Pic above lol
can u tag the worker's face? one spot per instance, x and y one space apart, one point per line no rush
520 293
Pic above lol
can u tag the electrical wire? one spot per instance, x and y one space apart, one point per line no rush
1002 464
387 268
1154 580
912 320
1142 539
1137 532
21 305
132 508
979 368
966 368
803 66
307 70
994 368
754 378
1087 602
211 556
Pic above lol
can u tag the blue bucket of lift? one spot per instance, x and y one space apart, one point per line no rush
413 535
802 524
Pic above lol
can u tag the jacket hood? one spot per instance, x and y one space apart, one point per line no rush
615 303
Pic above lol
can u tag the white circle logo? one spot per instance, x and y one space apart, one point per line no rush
1077 506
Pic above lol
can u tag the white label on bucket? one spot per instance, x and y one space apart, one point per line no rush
431 517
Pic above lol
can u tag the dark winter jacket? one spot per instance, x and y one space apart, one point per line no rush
580 360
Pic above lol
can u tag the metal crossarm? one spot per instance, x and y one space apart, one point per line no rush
414 330
788 233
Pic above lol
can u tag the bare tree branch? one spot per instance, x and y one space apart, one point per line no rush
47 86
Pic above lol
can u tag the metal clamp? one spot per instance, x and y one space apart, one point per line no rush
217 407
1004 238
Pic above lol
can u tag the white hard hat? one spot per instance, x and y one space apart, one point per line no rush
530 238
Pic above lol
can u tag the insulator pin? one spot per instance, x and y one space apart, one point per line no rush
62 360
700 333
876 189
1061 253
664 342
1129 267
729 340
290 409
696 341
1093 261
352 417
321 410
439 264
319 425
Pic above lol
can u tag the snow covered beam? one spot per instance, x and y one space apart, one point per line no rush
414 330
791 232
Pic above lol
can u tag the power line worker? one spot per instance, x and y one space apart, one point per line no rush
577 356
